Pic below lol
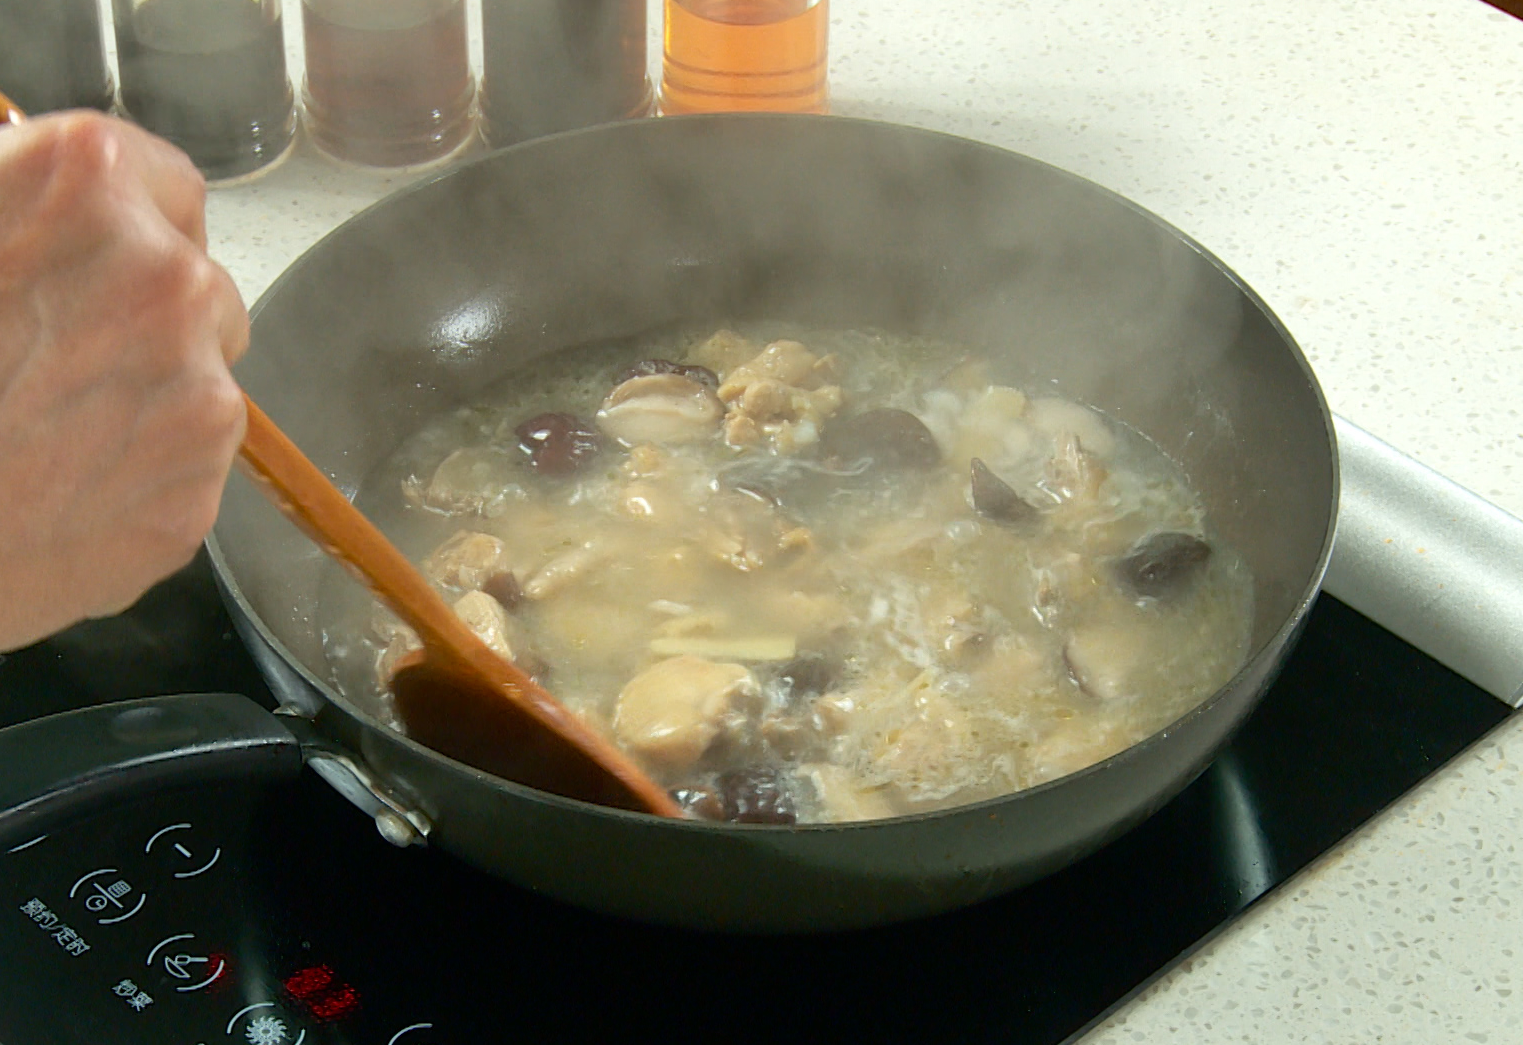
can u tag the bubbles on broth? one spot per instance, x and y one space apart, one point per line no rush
790 602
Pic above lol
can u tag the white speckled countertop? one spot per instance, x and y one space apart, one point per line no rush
1360 164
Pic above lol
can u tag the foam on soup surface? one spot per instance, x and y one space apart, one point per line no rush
832 577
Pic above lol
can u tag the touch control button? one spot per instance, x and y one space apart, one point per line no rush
109 894
407 1032
170 842
263 1024
185 963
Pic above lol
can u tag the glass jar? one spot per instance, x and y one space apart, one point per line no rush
53 56
389 82
745 55
210 76
554 65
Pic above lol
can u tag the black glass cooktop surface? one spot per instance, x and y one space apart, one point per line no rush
276 915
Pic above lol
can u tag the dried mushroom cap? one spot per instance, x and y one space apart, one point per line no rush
1161 562
646 367
994 498
757 795
557 444
885 438
661 408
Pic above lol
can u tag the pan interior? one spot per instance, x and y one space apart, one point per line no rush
423 301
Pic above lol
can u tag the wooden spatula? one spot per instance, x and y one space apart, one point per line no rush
456 694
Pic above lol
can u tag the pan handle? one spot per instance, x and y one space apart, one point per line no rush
65 765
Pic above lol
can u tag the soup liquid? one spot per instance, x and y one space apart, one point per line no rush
960 641
210 76
388 85
745 55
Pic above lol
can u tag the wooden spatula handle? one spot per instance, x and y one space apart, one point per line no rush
10 112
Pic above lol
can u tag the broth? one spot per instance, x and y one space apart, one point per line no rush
812 576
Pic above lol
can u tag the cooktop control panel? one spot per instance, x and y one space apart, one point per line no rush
163 921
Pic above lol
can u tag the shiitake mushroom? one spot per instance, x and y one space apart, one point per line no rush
646 367
994 498
757 795
558 444
809 675
886 439
1160 563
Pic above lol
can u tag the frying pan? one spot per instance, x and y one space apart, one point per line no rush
415 305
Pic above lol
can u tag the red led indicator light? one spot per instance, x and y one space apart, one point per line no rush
225 977
322 994
304 983
335 1004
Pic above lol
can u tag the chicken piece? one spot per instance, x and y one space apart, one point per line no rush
1071 746
1074 475
934 753
747 533
1107 659
385 626
1059 418
671 712
485 616
1011 666
969 375
481 613
722 351
1064 584
565 569
780 397
741 431
841 796
988 424
645 461
402 642
473 479
662 409
953 624
835 712
788 362
468 560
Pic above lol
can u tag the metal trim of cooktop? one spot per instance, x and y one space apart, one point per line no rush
1430 562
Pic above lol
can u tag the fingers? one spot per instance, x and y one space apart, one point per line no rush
233 326
85 154
171 180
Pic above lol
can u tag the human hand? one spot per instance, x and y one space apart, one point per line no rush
119 419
